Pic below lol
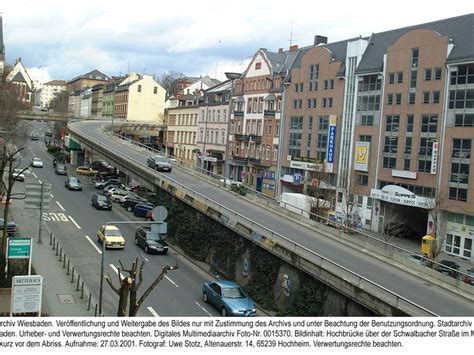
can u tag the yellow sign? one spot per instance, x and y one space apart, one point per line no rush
361 160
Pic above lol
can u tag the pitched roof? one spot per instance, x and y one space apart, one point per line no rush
459 29
94 74
56 83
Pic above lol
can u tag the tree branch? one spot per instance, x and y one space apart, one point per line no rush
157 280
109 281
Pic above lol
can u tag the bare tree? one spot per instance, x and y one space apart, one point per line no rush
129 286
60 102
437 226
169 81
319 195
349 204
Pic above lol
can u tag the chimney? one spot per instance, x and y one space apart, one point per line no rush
320 40
280 50
294 48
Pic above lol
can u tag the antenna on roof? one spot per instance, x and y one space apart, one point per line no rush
291 34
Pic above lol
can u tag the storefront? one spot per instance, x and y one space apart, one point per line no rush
460 235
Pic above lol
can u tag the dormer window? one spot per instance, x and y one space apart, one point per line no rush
258 65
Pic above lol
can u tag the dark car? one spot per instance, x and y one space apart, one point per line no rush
400 230
448 267
130 202
100 201
469 278
101 167
101 184
73 183
150 242
229 298
60 169
11 226
141 209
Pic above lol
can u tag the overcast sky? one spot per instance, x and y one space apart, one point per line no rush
59 39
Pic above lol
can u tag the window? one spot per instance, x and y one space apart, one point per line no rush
311 103
412 98
362 180
155 90
463 75
426 97
429 123
295 135
414 57
389 162
392 124
461 148
389 99
464 120
258 65
410 119
436 97
408 141
367 120
413 79
399 99
428 74
456 193
437 74
459 173
139 88
391 78
406 164
424 166
365 138
400 77
461 98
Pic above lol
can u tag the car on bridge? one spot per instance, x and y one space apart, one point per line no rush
159 162
229 298
111 236
150 242
37 163
73 183
141 209
85 170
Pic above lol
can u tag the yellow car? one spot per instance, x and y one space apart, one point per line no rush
85 170
112 236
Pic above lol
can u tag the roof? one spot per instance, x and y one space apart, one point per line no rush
56 83
459 29
94 75
224 86
281 61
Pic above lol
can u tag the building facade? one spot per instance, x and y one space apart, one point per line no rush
48 92
87 80
86 103
97 100
23 84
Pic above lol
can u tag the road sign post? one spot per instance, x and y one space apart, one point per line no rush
38 197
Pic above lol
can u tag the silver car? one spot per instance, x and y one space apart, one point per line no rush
159 162
37 163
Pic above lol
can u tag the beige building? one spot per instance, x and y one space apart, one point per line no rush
140 98
48 91
182 122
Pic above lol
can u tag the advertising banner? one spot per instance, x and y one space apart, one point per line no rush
361 160
331 144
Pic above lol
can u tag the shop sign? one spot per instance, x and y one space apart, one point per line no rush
434 158
331 144
399 195
306 166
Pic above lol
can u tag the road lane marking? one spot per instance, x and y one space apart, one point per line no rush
41 182
153 312
93 244
171 281
116 271
203 309
34 175
60 206
75 223
51 196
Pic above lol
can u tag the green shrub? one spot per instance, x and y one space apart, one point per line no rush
308 300
240 189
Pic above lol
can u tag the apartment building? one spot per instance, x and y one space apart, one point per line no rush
255 120
97 100
48 91
140 98
212 126
87 80
182 122
86 103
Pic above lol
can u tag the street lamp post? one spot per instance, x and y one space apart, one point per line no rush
234 77
102 260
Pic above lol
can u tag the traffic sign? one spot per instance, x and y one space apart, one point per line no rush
19 248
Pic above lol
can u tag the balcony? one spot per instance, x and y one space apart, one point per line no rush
238 113
269 113
242 137
255 138
239 159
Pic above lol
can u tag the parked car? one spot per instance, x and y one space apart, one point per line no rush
11 226
100 184
150 242
448 267
111 236
141 209
60 169
228 297
85 170
18 175
159 163
34 137
129 203
37 163
469 278
101 166
400 230
129 194
101 201
117 193
73 183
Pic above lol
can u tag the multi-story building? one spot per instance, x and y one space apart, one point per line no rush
74 105
87 80
140 98
182 122
212 127
48 91
255 120
97 100
86 103
22 81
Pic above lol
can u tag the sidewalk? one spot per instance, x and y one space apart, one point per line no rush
60 298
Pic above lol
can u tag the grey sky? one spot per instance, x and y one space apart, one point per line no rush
59 39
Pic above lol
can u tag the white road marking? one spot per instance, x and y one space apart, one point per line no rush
93 244
171 281
51 196
41 182
153 312
75 223
116 271
60 206
35 175
203 309
146 259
